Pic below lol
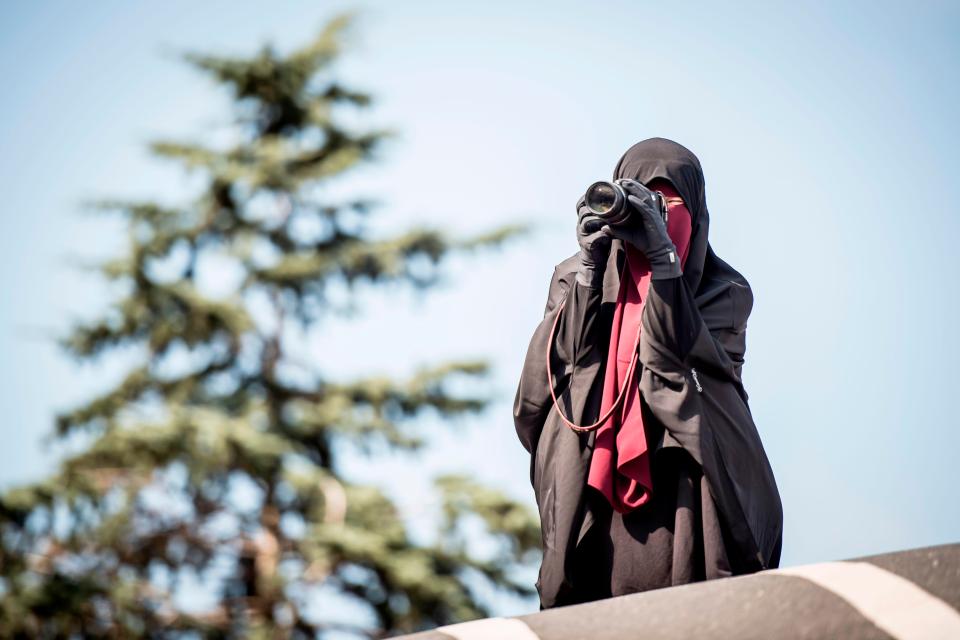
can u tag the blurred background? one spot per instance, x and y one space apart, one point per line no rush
829 141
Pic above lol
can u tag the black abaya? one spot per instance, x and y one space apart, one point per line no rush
677 537
691 354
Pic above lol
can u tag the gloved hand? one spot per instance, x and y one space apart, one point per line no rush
647 231
594 246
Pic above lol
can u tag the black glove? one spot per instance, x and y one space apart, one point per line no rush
647 231
594 246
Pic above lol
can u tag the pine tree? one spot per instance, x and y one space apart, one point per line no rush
105 545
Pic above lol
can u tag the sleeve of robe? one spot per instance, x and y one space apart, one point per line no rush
576 356
676 338
683 352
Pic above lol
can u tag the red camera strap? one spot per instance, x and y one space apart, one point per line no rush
620 395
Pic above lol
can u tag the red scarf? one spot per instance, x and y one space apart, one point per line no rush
620 466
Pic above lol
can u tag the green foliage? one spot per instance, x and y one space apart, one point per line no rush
209 460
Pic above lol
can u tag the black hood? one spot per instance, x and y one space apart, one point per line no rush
707 275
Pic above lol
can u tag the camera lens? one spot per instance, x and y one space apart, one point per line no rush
602 197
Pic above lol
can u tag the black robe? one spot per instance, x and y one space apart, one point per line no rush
692 350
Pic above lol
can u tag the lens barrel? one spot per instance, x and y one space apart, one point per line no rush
607 200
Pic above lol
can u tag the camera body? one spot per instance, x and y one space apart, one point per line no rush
608 200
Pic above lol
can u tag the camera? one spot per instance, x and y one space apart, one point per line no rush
609 201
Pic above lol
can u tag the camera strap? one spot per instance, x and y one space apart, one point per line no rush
620 395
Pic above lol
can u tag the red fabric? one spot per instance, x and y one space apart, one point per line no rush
620 465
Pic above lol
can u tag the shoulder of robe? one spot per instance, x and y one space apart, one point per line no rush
726 304
563 276
569 265
731 332
742 296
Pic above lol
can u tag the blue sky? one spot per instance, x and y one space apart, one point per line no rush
829 141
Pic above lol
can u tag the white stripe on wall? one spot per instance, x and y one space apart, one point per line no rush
490 628
896 605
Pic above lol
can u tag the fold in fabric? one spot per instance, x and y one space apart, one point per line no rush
620 467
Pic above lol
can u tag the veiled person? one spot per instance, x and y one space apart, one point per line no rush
646 464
